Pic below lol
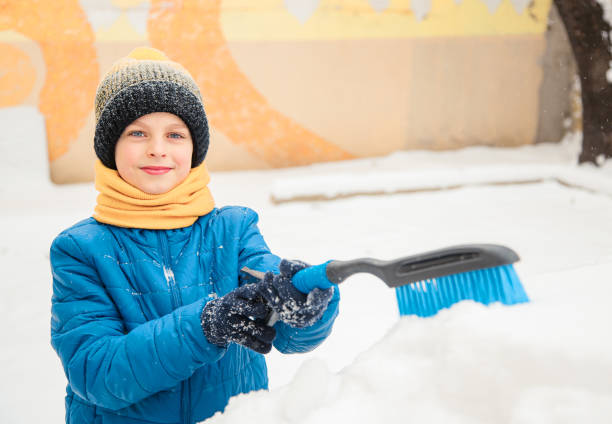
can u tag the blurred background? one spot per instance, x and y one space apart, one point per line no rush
296 82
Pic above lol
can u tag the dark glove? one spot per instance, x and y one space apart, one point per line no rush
238 317
293 307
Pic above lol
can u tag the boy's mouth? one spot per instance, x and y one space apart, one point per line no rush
155 170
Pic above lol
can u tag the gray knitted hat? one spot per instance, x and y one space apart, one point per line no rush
144 82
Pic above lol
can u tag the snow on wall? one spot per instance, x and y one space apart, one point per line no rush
420 8
304 9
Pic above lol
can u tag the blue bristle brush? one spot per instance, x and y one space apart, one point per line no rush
428 282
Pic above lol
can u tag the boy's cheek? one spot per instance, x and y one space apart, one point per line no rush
127 156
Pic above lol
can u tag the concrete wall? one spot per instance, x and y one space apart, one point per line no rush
559 93
300 81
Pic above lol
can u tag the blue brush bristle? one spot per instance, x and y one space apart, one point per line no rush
426 298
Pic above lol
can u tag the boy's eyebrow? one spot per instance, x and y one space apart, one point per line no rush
134 123
177 124
172 125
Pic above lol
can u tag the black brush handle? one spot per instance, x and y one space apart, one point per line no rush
338 271
424 266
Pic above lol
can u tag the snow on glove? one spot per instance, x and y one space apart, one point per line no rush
293 307
238 317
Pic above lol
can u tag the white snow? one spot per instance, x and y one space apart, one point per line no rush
549 361
420 8
606 6
520 5
101 14
379 5
412 172
492 5
545 362
302 9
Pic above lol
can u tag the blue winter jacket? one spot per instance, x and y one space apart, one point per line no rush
126 318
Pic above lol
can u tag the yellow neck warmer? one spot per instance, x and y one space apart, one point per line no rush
124 205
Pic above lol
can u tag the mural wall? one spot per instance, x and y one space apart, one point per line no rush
290 82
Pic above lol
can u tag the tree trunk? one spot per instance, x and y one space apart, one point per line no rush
589 35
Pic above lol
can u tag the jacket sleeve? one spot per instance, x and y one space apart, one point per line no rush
105 364
255 254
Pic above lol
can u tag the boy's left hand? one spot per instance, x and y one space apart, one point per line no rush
238 317
293 307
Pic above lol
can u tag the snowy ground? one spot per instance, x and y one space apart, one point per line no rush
549 361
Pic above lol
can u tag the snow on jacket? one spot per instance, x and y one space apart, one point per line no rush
126 318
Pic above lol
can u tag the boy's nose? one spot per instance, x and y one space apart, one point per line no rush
156 147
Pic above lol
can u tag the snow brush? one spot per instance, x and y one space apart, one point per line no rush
428 282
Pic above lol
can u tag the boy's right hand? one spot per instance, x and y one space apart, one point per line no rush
239 317
296 308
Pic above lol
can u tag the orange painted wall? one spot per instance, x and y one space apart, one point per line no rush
62 32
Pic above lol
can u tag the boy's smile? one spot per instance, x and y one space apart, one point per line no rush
154 152
155 170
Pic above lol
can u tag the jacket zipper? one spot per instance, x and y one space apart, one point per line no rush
176 302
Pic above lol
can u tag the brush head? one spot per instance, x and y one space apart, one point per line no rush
497 284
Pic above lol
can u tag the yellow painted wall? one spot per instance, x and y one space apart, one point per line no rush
289 82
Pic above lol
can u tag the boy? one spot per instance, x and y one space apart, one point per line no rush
152 318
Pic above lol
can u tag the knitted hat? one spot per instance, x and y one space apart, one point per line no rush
144 82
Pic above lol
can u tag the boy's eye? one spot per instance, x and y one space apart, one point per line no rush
136 133
175 135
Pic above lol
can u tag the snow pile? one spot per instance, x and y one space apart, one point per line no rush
406 172
346 185
549 361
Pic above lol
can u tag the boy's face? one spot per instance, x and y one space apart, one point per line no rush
154 152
